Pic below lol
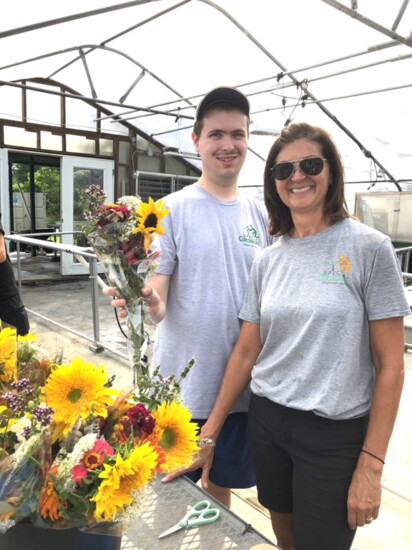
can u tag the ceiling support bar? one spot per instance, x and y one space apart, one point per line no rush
309 94
89 78
400 15
132 87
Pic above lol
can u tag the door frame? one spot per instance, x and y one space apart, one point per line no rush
4 191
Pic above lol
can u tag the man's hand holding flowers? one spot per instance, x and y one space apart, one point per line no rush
154 299
122 235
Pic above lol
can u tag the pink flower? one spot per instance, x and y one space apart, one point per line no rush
91 460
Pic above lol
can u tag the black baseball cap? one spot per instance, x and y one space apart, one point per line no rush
226 95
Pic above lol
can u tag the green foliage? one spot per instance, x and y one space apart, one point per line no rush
46 180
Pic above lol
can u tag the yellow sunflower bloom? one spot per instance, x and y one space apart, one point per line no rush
150 216
8 355
74 391
176 434
29 337
122 479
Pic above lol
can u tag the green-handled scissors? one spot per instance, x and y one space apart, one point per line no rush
200 514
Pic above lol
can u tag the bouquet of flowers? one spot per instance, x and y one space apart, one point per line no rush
75 451
121 236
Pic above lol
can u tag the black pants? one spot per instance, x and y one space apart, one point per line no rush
13 312
304 465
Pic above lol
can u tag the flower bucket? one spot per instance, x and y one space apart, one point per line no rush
25 536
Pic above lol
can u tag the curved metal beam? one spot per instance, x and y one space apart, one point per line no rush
68 18
309 94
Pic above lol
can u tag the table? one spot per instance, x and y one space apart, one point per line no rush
168 503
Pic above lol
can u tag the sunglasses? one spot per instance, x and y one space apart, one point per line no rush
311 166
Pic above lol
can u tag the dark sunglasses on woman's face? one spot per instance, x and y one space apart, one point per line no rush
311 166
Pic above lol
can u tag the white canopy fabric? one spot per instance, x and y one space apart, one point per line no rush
345 66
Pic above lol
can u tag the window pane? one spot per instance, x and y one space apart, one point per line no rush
124 151
80 144
19 137
50 141
10 101
124 184
82 179
43 108
110 127
80 115
106 147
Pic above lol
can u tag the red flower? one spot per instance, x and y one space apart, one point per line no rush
91 459
141 419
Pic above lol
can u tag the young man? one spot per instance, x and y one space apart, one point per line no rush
212 234
12 310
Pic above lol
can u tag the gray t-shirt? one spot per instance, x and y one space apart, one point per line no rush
208 248
313 298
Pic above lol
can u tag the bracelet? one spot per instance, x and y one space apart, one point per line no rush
206 441
372 455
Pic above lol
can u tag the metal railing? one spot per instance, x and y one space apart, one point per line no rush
404 258
88 260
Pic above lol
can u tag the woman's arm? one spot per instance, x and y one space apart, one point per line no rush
237 377
387 347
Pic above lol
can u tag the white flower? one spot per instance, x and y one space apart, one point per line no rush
84 444
27 449
65 461
130 202
18 427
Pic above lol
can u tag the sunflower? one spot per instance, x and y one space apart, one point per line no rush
176 434
76 390
150 215
8 355
122 479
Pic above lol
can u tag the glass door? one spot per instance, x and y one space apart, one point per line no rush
77 174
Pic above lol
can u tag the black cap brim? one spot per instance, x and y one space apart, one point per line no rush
225 95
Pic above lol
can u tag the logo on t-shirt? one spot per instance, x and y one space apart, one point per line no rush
250 237
338 273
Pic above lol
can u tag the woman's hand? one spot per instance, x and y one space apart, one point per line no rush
364 497
202 459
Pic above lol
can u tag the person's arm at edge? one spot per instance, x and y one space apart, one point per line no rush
155 293
3 255
387 345
237 376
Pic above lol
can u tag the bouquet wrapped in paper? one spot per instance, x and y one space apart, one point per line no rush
121 236
75 451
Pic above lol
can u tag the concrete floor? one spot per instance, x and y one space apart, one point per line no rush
69 303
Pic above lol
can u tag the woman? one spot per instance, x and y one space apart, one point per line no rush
322 343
